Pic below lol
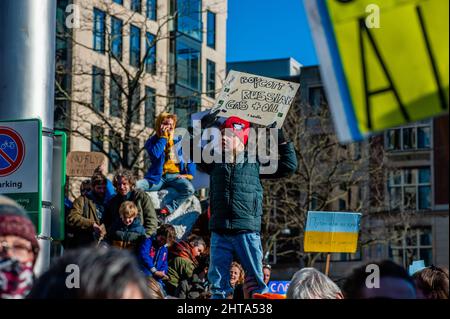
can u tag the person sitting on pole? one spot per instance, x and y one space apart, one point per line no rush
168 169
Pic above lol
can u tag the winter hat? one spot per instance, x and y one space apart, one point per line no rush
239 127
14 220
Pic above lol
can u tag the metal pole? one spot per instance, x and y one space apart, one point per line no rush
27 64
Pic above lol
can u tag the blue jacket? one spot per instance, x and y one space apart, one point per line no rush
153 257
155 146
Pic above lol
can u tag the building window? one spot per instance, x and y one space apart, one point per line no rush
99 30
135 105
136 5
116 37
118 2
184 107
97 136
190 18
210 79
343 256
135 46
151 9
415 245
150 51
115 96
211 29
316 98
411 137
410 189
342 204
133 152
115 141
150 107
98 89
188 65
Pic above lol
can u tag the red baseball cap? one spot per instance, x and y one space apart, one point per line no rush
239 127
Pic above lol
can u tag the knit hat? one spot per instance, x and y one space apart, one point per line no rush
15 221
239 127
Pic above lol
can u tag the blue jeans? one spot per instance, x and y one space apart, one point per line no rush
248 250
180 189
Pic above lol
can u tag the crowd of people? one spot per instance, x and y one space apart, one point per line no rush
119 246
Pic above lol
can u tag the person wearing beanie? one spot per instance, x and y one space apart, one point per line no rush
19 249
236 197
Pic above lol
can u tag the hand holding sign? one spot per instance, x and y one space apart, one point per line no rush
257 99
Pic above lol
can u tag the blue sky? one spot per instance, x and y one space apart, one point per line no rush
268 29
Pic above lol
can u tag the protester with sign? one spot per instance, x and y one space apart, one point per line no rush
124 182
393 282
236 198
86 217
183 260
168 169
309 283
19 249
432 282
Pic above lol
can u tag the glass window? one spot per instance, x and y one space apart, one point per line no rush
135 105
316 97
150 107
411 137
393 140
342 204
151 9
135 5
410 189
133 151
115 141
415 245
211 29
190 18
188 65
97 136
184 107
423 137
116 37
98 89
135 46
210 79
99 30
150 51
115 96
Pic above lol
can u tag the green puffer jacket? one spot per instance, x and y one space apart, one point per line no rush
236 194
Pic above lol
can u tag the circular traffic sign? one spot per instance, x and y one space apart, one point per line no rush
12 151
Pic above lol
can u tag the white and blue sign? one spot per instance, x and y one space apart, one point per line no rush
278 287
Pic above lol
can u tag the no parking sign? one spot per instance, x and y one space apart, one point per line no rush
20 164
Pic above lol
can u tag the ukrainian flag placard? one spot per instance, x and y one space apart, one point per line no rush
332 232
384 63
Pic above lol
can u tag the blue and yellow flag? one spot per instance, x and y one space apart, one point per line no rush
332 232
384 63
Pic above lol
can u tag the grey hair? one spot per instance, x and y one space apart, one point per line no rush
309 283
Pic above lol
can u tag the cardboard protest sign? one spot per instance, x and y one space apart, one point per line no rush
83 164
332 232
383 63
255 98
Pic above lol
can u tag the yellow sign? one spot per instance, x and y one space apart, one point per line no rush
332 232
384 63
